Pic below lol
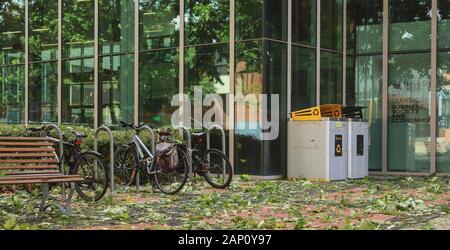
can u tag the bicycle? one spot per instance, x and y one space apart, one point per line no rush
131 156
87 164
213 165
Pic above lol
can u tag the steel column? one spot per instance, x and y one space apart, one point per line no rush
344 59
318 17
232 79
59 94
385 86
136 61
433 132
26 60
96 66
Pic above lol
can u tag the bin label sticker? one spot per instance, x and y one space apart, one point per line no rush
339 124
360 145
338 145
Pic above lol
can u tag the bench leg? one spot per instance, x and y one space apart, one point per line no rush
67 209
45 194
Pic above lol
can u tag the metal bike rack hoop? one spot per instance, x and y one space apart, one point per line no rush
187 133
47 129
152 132
224 138
111 151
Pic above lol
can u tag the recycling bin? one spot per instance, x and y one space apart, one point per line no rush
318 150
358 148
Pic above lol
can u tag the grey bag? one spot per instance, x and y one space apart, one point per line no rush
167 157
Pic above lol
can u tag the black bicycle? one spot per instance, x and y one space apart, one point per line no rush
213 164
87 164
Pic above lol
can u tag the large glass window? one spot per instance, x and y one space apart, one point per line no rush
78 91
367 92
443 113
116 89
331 23
207 21
116 26
304 22
249 19
275 82
12 31
364 26
43 92
248 80
409 112
443 24
43 30
276 19
409 25
78 28
159 24
12 94
158 78
303 78
330 78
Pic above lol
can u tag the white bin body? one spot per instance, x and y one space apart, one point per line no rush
317 150
358 159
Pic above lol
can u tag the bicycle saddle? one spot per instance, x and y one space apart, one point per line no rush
164 132
79 134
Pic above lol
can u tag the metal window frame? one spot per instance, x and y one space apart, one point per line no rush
26 61
318 45
344 56
136 60
59 70
232 70
96 65
384 89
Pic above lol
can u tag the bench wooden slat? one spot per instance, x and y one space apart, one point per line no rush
16 161
40 181
27 150
19 143
25 155
29 167
25 138
31 172
31 177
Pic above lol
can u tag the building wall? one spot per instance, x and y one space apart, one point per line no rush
89 62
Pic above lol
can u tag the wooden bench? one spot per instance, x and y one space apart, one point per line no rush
33 160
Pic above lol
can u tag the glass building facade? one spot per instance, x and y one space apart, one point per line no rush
96 62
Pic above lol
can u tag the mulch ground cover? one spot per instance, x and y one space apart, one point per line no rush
372 203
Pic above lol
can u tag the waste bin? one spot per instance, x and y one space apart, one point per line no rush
358 148
317 150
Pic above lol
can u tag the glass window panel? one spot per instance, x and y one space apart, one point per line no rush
330 78
331 23
116 26
12 94
248 80
43 92
158 84
443 113
364 26
249 19
43 30
304 22
12 31
276 19
409 25
350 81
409 112
443 24
78 28
303 78
275 82
116 79
78 91
207 21
367 92
159 24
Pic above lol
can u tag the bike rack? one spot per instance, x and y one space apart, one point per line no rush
152 132
47 129
187 133
224 140
111 151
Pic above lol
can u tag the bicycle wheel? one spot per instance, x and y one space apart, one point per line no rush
95 173
125 165
171 181
216 169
